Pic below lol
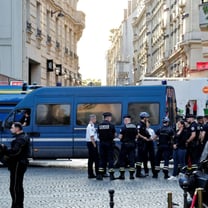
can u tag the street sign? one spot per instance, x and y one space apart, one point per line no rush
16 83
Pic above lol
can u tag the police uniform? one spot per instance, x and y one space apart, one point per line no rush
192 154
93 157
165 134
128 136
106 134
17 164
143 132
205 129
199 144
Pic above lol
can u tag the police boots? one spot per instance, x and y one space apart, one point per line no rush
138 172
99 177
112 176
131 175
122 175
165 171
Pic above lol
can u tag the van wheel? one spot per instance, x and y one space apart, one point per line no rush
116 157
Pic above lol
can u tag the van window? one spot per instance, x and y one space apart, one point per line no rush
53 114
84 110
134 109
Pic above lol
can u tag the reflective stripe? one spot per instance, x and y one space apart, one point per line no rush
122 169
157 167
165 168
111 170
131 169
138 164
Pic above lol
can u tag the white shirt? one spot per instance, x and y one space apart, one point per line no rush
151 132
91 131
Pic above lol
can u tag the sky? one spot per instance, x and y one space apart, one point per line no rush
101 17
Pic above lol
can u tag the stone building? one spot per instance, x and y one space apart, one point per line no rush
170 38
120 54
38 41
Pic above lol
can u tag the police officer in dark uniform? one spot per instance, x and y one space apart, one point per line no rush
143 135
165 135
17 161
204 132
106 134
128 135
192 141
199 143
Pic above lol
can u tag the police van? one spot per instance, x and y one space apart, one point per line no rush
59 115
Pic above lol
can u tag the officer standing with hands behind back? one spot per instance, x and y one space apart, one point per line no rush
106 134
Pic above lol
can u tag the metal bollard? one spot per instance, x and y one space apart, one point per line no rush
111 193
200 198
170 200
185 188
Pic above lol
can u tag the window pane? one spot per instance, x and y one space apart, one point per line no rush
134 109
84 110
53 114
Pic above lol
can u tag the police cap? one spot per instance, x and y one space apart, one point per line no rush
166 119
106 114
126 116
190 116
144 115
199 117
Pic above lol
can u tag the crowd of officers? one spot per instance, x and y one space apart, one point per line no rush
140 144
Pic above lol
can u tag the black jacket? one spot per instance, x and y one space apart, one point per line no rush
19 151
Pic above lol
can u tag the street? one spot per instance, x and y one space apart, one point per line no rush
64 184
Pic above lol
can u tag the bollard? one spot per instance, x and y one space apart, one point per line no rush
111 193
185 188
200 198
170 200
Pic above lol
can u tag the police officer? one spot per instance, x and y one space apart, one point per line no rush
143 135
199 143
17 162
106 134
204 132
192 141
91 138
165 136
128 134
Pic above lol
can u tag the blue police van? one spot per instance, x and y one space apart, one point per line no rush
11 95
59 115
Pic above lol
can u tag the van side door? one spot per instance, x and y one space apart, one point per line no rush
53 123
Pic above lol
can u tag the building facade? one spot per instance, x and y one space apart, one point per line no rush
170 38
120 55
38 41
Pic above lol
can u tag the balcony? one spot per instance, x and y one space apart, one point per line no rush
203 16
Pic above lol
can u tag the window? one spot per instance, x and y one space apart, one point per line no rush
18 116
53 114
134 109
84 110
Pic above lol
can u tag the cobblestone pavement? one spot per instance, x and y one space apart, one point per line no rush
65 185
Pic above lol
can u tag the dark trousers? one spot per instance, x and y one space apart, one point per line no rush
93 158
106 155
192 155
149 154
163 153
17 172
127 151
140 153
